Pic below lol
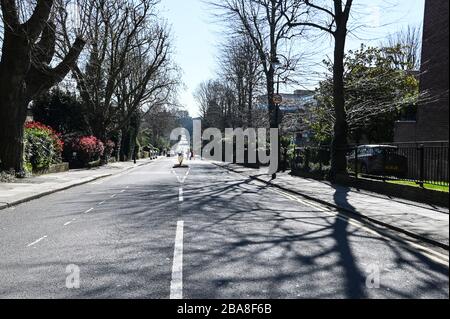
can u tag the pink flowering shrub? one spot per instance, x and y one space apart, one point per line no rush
87 148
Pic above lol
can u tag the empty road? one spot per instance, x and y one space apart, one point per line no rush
202 232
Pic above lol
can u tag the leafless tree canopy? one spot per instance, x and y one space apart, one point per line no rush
410 41
128 66
270 33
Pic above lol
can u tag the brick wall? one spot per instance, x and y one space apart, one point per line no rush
432 113
405 131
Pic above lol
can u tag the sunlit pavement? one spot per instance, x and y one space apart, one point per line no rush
201 232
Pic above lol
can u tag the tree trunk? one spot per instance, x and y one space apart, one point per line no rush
339 144
125 147
20 79
250 107
12 121
13 101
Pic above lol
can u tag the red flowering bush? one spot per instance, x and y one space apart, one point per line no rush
88 148
43 146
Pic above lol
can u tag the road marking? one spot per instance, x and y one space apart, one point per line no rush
430 253
122 191
176 285
183 179
180 194
101 203
112 196
68 223
89 210
37 241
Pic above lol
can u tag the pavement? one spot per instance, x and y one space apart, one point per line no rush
203 232
23 190
422 221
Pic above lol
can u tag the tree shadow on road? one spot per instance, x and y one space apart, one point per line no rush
241 241
293 251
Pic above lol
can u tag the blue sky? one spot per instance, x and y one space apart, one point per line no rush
197 36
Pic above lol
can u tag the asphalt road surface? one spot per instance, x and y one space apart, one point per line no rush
202 232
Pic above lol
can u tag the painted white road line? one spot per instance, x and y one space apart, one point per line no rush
89 210
181 180
176 285
68 223
37 241
101 203
180 195
112 196
122 191
187 174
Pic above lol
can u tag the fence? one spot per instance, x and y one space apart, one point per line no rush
414 162
312 160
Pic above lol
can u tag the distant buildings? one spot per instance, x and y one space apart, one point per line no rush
430 123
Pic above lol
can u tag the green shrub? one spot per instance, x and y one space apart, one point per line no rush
43 147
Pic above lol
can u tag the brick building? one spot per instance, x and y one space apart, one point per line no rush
431 123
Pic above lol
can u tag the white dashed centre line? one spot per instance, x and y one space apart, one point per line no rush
176 285
68 223
89 210
37 241
180 195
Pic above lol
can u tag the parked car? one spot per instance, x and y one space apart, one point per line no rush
382 160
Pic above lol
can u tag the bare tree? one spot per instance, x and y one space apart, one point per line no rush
150 80
216 100
332 19
113 33
263 22
28 49
409 40
240 66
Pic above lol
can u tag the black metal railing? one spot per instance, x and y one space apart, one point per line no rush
421 163
312 160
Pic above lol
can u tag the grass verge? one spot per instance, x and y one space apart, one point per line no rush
432 187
